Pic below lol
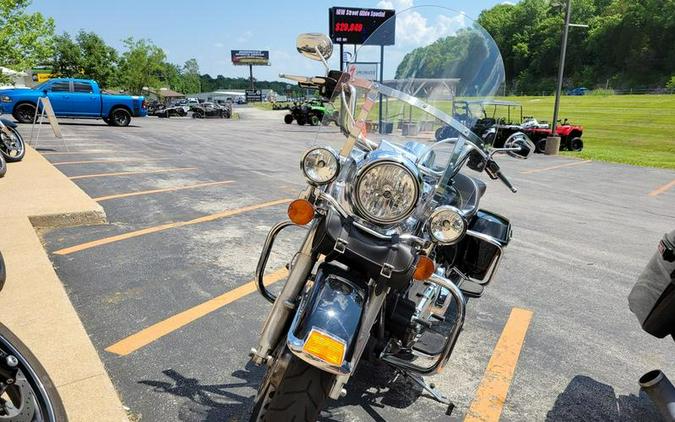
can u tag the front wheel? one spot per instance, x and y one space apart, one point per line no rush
12 146
576 145
299 394
3 170
31 396
288 119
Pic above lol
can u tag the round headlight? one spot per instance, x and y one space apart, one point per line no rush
446 225
320 165
386 192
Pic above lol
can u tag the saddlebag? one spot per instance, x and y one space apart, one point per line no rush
652 299
477 256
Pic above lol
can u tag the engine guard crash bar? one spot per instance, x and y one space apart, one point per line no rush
264 256
452 338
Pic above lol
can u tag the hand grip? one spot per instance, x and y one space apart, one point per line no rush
506 182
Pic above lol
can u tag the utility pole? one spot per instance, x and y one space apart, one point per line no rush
553 141
250 73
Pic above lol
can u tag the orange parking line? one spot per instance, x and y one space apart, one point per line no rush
155 229
98 151
148 192
125 173
491 395
63 163
662 189
576 163
173 323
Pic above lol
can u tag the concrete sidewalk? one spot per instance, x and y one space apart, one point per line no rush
36 195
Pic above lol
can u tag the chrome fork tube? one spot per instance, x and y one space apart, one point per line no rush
284 305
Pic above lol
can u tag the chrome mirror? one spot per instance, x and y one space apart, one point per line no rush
519 146
314 46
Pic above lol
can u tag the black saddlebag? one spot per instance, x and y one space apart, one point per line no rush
652 299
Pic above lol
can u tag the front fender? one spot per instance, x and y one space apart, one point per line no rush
8 123
332 308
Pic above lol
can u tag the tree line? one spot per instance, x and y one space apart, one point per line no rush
628 43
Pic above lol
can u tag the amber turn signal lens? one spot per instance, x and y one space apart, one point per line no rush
425 268
325 347
301 211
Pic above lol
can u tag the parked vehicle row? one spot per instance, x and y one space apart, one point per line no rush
496 120
73 98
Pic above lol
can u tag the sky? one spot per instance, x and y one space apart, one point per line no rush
208 30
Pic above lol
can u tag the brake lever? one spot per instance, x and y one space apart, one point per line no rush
493 170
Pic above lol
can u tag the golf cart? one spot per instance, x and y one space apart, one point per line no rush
493 120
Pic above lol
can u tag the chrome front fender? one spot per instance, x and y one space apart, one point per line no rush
334 307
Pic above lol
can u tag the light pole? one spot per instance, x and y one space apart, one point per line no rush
553 141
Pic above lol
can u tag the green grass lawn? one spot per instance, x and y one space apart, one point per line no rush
631 129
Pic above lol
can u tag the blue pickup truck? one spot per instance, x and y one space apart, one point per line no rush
73 98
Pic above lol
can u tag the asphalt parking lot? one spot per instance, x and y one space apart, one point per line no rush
164 288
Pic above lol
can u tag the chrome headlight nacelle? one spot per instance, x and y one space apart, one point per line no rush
446 225
387 188
320 165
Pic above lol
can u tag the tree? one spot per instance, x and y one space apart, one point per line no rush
141 65
191 79
25 38
67 58
98 60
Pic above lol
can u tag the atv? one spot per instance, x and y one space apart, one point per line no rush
570 135
311 112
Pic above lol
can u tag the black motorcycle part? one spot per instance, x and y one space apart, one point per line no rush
652 299
8 123
400 313
334 306
3 272
386 259
475 255
48 399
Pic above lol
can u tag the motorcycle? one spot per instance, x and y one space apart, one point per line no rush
652 300
26 391
12 146
396 240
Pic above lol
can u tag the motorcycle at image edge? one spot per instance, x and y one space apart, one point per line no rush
652 300
396 240
12 146
27 394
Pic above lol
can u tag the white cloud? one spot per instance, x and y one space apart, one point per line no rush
245 36
510 3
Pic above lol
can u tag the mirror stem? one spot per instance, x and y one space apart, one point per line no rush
323 60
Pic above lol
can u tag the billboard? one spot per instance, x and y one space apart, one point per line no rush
250 57
353 25
253 96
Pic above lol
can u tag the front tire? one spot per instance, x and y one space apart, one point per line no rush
540 146
120 117
12 147
300 393
576 144
288 119
3 170
33 390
